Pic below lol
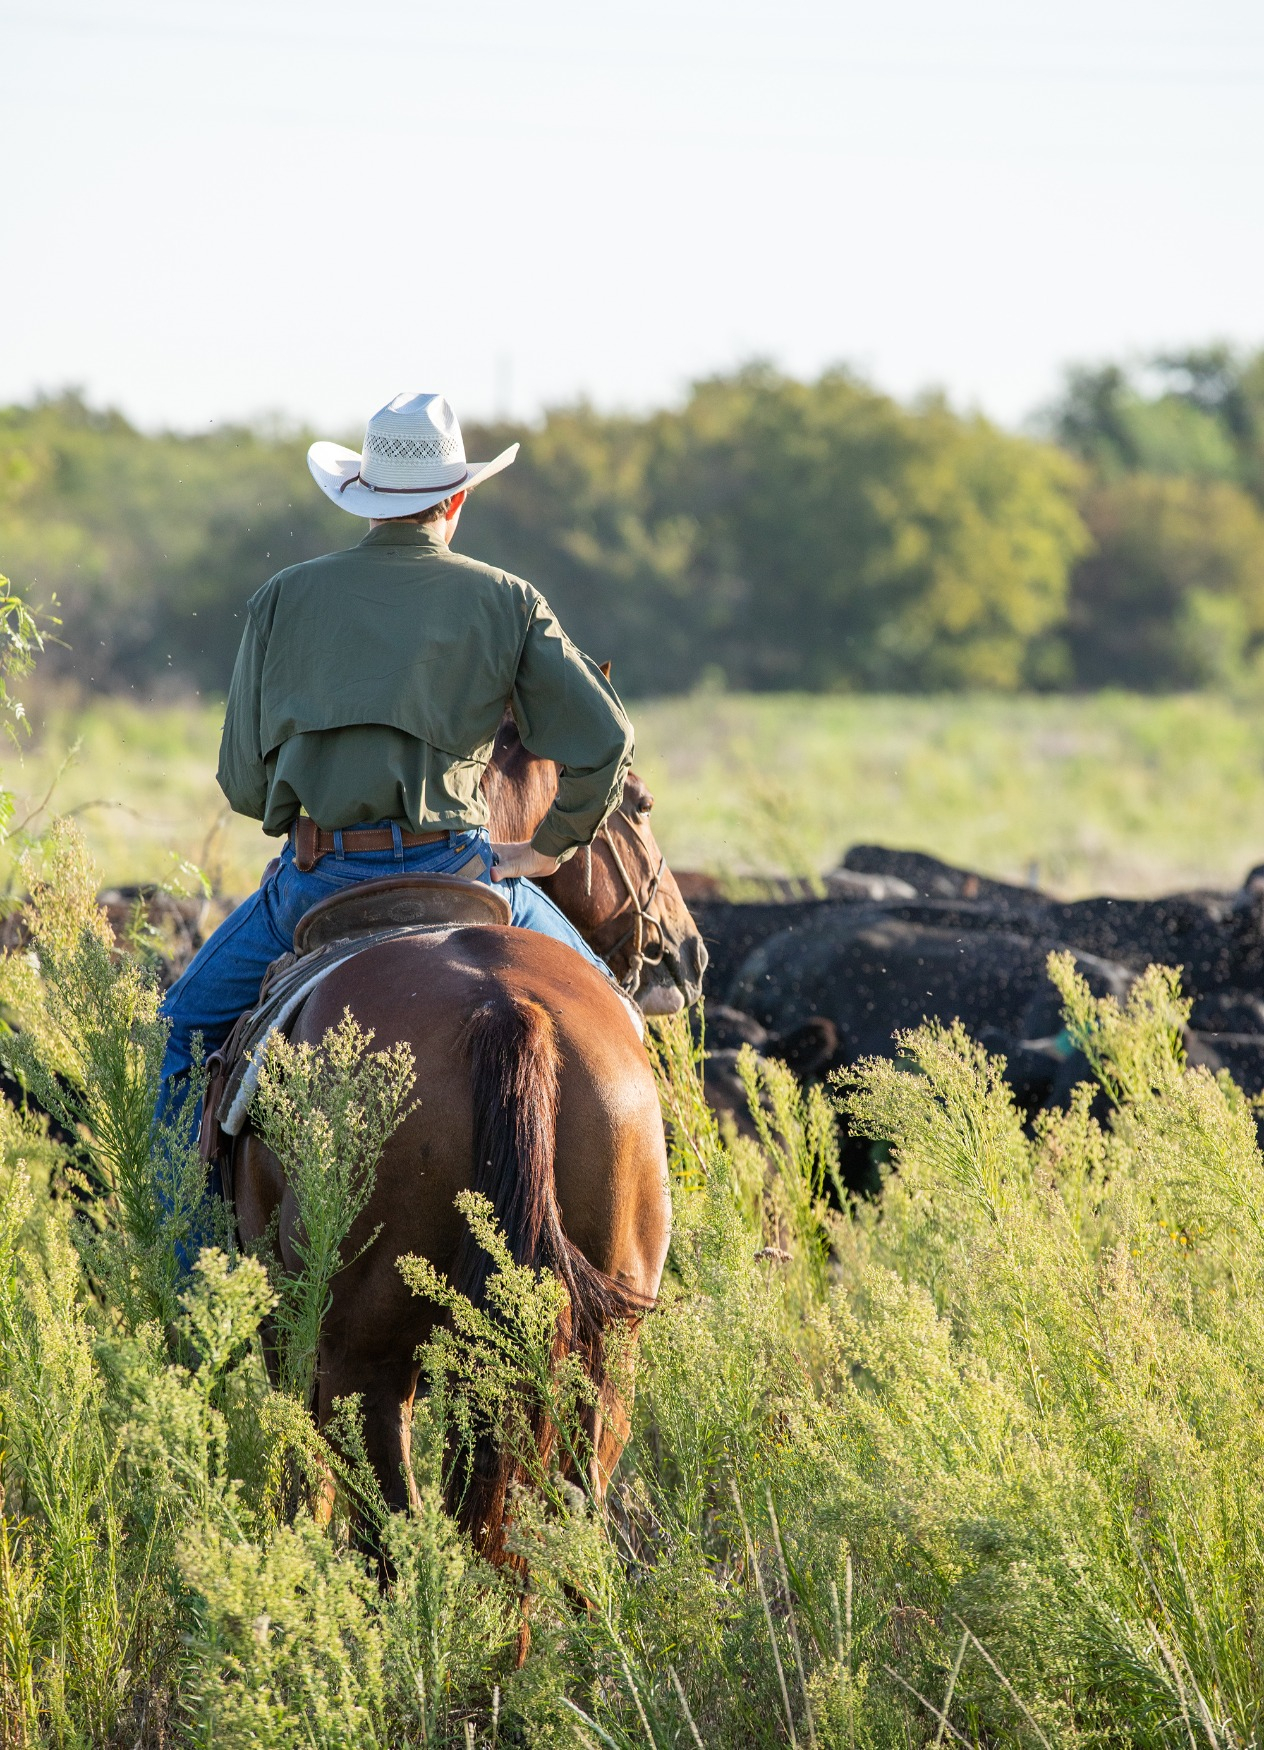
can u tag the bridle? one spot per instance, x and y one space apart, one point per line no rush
645 931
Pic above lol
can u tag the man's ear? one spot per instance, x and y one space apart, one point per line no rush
605 669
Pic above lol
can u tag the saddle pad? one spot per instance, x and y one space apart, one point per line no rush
399 902
287 986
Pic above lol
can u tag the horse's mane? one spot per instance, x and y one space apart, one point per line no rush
518 786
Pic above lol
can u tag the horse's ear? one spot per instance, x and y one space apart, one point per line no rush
605 669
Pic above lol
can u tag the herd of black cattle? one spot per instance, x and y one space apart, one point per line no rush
901 937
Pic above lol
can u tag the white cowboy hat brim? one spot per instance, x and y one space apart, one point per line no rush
335 468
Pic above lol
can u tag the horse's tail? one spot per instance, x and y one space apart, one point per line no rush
514 1064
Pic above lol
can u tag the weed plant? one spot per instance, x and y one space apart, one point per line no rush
326 1115
977 1462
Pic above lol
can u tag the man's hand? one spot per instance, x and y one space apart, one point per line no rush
521 859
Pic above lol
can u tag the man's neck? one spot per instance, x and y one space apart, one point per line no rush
396 532
441 528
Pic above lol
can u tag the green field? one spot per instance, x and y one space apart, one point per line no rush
980 1462
1110 793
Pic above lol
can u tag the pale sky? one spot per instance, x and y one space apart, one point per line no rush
306 206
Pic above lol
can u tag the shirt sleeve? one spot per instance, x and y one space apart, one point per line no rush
566 710
241 774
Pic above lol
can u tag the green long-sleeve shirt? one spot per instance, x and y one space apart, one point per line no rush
370 685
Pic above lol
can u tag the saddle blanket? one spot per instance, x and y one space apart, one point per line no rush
287 985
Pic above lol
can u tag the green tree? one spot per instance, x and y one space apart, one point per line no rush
785 534
1199 412
1106 419
846 541
1172 594
151 543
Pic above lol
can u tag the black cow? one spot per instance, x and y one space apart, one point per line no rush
871 972
949 943
1216 938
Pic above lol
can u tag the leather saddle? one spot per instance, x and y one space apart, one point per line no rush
334 930
408 902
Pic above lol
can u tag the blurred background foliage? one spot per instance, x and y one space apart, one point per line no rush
767 534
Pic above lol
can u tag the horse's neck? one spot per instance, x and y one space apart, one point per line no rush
519 789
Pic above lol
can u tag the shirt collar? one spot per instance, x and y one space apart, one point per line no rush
400 534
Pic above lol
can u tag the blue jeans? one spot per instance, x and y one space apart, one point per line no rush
223 978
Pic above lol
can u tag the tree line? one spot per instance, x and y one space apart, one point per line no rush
765 534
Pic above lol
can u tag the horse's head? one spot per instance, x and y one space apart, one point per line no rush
618 892
624 901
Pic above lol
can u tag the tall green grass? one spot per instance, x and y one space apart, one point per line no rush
977 1462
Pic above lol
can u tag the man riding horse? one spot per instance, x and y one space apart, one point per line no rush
364 705
374 692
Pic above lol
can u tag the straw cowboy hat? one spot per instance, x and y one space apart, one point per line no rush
413 457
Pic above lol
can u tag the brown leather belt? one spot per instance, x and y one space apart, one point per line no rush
311 842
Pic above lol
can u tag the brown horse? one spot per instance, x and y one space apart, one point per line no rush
534 1090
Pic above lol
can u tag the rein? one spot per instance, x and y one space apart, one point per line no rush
645 932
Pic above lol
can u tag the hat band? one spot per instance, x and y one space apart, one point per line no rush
405 491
